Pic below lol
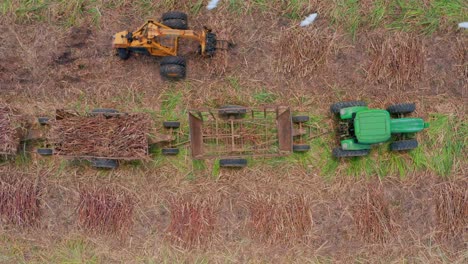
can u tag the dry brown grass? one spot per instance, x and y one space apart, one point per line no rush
9 138
20 199
122 136
303 51
277 219
398 59
105 210
372 216
192 221
461 59
452 208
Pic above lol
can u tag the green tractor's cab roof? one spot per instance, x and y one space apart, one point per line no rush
372 126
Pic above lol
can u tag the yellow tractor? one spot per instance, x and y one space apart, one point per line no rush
162 39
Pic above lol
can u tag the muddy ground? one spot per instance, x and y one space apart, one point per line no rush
44 67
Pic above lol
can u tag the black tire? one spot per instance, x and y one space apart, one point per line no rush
170 151
109 164
336 107
123 53
402 145
176 23
341 153
300 119
232 111
404 108
172 72
177 60
210 48
174 15
301 147
171 124
45 151
233 163
43 120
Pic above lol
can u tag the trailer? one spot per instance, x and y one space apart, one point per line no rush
232 133
12 131
105 137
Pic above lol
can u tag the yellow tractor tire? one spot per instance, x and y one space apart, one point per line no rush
175 20
173 72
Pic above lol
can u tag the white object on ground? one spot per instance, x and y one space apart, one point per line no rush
309 20
463 25
212 4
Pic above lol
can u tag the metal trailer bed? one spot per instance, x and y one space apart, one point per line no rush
99 161
235 132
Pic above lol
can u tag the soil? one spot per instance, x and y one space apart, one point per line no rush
44 67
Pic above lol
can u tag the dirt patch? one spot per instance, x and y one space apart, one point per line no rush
122 136
301 52
192 221
452 209
20 199
397 58
372 216
280 220
105 210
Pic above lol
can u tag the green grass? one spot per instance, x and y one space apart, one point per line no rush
411 15
264 97
170 101
347 15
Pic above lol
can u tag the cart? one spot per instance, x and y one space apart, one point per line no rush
105 137
233 133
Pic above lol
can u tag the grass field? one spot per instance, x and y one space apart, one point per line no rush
304 208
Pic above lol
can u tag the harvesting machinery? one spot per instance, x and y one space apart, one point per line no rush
232 133
360 127
161 39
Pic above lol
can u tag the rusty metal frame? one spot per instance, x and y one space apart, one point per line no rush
263 131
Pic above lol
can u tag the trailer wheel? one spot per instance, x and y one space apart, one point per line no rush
45 151
301 147
170 151
404 145
235 111
335 108
300 119
109 164
172 72
43 120
341 153
171 124
178 60
233 163
123 53
404 108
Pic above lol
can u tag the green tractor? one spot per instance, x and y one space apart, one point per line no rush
360 127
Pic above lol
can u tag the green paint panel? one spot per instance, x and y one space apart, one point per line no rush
351 144
407 125
372 126
347 113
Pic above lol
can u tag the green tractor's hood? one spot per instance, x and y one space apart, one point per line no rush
407 125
